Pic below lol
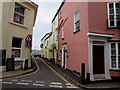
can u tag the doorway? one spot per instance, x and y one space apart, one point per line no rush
64 56
98 59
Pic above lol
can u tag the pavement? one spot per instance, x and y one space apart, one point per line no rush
108 84
18 72
104 84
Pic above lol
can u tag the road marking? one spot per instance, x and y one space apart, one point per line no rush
55 86
39 85
56 83
40 82
68 84
70 87
26 81
23 83
14 80
57 73
7 82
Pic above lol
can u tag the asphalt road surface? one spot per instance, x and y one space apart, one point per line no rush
44 77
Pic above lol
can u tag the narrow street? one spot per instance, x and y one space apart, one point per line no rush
44 77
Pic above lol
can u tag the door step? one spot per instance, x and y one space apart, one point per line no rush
100 77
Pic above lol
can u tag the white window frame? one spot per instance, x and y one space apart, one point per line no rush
17 49
21 15
63 32
115 20
75 22
117 61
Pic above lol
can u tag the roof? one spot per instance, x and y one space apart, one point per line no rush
46 35
58 10
31 2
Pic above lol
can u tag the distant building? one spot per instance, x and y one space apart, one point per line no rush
55 38
18 19
45 45
49 43
89 33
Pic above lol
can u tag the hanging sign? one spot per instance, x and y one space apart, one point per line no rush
28 41
41 46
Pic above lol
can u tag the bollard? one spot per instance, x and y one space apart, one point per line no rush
88 78
83 73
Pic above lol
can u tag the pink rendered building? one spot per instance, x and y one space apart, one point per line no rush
89 33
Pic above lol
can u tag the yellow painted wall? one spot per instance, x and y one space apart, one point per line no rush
0 25
10 29
55 36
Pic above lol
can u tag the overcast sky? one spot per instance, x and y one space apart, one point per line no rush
46 12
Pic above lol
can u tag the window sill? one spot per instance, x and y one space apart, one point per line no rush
76 31
17 24
113 27
114 69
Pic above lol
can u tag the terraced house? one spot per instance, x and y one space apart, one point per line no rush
89 34
46 45
49 42
55 38
18 19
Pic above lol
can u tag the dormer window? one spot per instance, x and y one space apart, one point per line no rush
114 14
19 14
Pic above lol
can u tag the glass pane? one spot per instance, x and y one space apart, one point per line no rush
77 16
113 58
113 46
118 11
16 42
111 17
118 45
119 52
113 52
119 61
118 17
77 26
111 5
21 19
118 23
111 23
16 17
111 11
117 5
118 48
113 64
19 9
15 53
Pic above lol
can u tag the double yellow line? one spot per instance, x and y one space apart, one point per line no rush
58 74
